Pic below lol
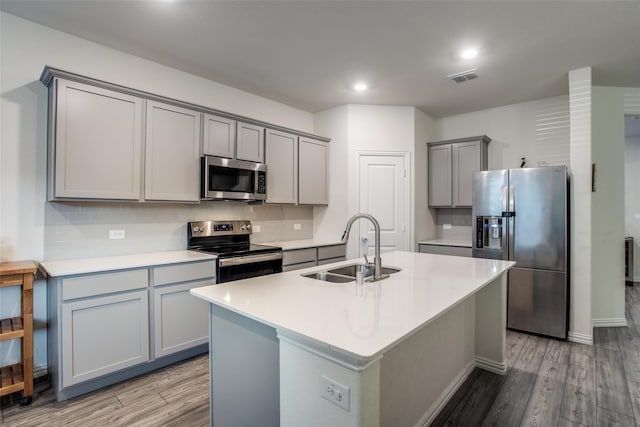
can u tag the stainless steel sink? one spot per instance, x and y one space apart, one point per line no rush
348 273
353 269
328 277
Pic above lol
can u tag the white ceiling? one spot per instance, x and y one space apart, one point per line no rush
308 53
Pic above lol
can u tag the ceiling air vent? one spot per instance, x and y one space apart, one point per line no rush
463 76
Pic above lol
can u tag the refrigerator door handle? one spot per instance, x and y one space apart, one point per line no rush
504 201
512 202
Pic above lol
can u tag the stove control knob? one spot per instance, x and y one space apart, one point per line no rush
248 226
243 227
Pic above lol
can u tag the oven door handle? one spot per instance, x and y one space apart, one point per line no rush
249 259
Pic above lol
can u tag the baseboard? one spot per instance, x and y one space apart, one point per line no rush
40 371
446 395
580 338
491 366
609 323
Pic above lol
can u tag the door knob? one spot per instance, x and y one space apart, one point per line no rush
364 239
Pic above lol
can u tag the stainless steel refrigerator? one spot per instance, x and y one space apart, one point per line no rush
522 215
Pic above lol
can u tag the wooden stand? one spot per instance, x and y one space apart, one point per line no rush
19 377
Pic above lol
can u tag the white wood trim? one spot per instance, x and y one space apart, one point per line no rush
580 338
609 323
491 366
446 395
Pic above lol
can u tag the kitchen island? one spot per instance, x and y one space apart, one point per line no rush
290 350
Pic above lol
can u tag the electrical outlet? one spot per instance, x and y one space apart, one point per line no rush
335 392
297 226
255 228
116 234
446 226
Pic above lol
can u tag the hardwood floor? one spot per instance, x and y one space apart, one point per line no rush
177 395
548 383
556 383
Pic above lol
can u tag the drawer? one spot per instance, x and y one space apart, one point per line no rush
297 256
331 260
104 283
335 251
298 266
445 250
183 272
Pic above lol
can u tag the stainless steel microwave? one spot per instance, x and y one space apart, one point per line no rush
229 179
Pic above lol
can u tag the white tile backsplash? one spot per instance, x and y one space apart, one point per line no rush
458 219
81 230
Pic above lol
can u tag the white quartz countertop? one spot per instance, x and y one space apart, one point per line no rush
93 265
301 244
466 243
361 320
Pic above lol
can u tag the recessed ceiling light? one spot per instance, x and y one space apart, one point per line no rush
469 53
360 87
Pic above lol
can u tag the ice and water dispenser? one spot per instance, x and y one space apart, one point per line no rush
489 232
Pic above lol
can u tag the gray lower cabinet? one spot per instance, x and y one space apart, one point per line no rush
296 259
445 250
104 335
109 326
104 324
180 319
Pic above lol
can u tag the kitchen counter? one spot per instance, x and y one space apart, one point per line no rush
440 315
302 244
447 242
121 262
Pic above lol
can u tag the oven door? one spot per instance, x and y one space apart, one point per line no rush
233 179
243 267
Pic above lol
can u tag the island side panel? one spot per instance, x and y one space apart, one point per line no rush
421 373
301 389
491 326
244 371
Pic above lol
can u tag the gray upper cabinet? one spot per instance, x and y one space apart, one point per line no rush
282 162
250 142
229 138
313 172
110 142
219 136
95 143
451 166
172 167
440 175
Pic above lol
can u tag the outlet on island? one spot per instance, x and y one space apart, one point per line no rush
335 392
116 234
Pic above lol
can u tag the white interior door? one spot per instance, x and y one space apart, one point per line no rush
384 193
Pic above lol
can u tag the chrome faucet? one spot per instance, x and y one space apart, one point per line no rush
377 261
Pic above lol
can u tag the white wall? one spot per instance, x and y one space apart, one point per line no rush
329 221
358 128
632 197
537 130
425 218
30 227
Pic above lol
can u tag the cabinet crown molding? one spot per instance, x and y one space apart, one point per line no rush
50 73
483 138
